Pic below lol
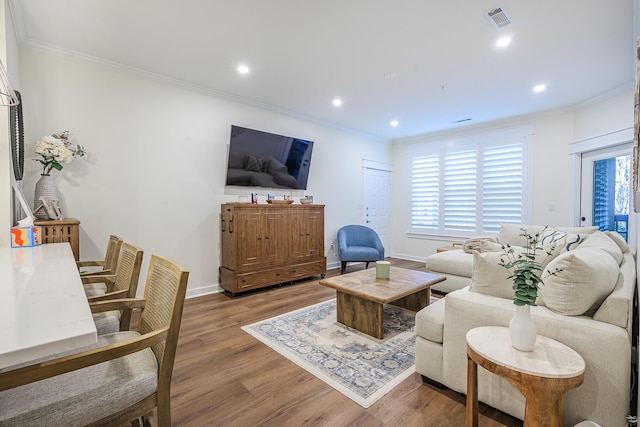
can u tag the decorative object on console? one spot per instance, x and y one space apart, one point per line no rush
51 206
526 272
54 150
45 187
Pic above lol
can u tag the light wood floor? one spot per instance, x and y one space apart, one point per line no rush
225 377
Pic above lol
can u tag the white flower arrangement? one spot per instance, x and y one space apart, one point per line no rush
56 150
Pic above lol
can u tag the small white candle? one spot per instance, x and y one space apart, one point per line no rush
382 269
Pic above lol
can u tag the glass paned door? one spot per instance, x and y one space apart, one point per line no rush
605 199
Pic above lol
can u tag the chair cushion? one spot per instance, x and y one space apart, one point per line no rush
84 396
94 289
107 322
361 253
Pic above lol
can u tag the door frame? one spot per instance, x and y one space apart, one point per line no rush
577 149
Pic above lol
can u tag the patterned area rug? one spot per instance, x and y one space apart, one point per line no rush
361 367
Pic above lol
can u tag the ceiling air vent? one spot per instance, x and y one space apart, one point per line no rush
499 18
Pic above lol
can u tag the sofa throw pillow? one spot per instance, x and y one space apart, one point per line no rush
488 277
604 242
475 244
492 279
254 164
552 250
564 240
511 233
588 276
619 240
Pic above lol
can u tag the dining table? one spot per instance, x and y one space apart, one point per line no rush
43 307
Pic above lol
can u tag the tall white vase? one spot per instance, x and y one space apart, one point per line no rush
44 187
522 329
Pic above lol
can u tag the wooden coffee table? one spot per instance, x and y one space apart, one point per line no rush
360 297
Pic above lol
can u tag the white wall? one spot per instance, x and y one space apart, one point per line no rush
551 173
155 174
156 169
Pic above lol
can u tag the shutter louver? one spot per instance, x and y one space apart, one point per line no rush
502 186
424 192
460 191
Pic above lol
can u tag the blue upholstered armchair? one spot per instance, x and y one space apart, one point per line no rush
357 243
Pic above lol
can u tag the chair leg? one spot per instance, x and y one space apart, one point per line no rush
366 265
343 266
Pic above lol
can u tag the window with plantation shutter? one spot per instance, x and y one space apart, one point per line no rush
459 190
502 182
469 186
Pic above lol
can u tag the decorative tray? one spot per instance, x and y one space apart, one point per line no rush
280 202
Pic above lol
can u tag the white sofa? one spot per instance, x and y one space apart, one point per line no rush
602 335
455 264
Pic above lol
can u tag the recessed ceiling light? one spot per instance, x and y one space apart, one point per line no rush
243 69
503 41
394 123
337 102
539 88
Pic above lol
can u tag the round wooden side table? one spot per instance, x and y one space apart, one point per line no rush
541 375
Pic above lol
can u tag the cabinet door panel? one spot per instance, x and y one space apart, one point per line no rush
247 231
271 240
297 235
315 224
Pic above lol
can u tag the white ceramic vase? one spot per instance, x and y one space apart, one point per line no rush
522 329
44 187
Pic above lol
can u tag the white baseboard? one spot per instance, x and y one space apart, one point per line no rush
408 257
205 290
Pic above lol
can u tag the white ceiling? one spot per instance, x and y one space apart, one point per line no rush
303 53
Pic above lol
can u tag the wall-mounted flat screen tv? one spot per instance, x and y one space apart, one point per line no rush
263 159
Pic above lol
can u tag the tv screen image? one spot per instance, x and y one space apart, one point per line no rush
263 159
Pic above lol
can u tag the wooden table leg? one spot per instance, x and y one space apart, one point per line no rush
414 302
472 393
544 409
360 314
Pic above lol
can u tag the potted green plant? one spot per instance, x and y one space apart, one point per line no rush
526 268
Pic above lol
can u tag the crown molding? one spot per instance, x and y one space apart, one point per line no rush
58 51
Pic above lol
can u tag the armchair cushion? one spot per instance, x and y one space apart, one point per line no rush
359 243
84 396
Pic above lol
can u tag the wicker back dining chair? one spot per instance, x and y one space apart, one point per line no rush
108 265
124 377
122 284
